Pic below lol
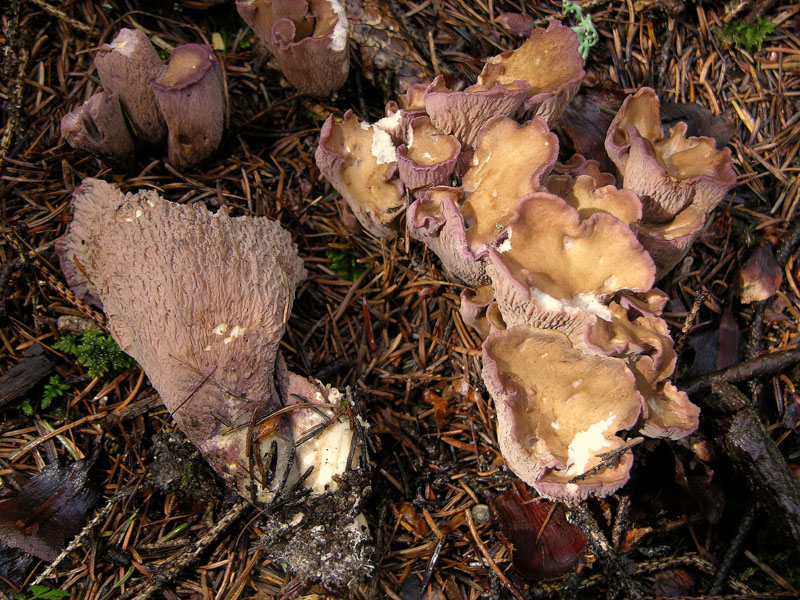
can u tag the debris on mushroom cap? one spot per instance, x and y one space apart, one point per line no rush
668 173
669 242
191 96
559 269
310 40
169 277
558 409
510 161
98 126
463 113
760 277
551 64
428 157
435 220
126 67
360 161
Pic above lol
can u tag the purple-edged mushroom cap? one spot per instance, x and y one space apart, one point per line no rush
428 157
191 95
462 113
551 64
126 67
669 242
360 161
587 196
559 410
670 414
555 270
479 310
200 300
509 162
310 40
668 173
435 220
98 126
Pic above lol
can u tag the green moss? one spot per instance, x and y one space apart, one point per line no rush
97 352
749 36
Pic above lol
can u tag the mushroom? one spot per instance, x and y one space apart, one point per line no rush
98 126
669 242
126 67
428 157
760 277
559 411
668 173
310 40
551 64
191 96
479 310
510 161
201 300
463 113
360 161
551 269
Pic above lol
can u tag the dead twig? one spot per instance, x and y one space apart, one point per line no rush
758 367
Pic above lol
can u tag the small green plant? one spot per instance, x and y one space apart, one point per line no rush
54 390
749 36
42 592
345 264
587 34
97 352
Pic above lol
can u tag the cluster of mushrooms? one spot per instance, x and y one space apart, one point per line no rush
560 263
181 103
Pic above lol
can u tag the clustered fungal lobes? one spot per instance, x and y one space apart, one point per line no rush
561 262
181 103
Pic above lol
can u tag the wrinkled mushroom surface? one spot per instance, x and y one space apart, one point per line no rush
200 300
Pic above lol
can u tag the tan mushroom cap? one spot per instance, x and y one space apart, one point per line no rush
479 310
668 173
558 409
553 250
669 242
551 64
360 161
428 157
509 162
587 196
200 300
670 414
462 113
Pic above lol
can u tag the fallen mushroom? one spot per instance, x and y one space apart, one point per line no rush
201 300
191 96
310 40
126 67
98 126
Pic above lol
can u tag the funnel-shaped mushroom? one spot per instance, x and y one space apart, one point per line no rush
479 310
551 64
310 40
360 161
669 242
559 410
668 173
200 300
436 221
556 271
191 96
126 67
428 157
98 126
